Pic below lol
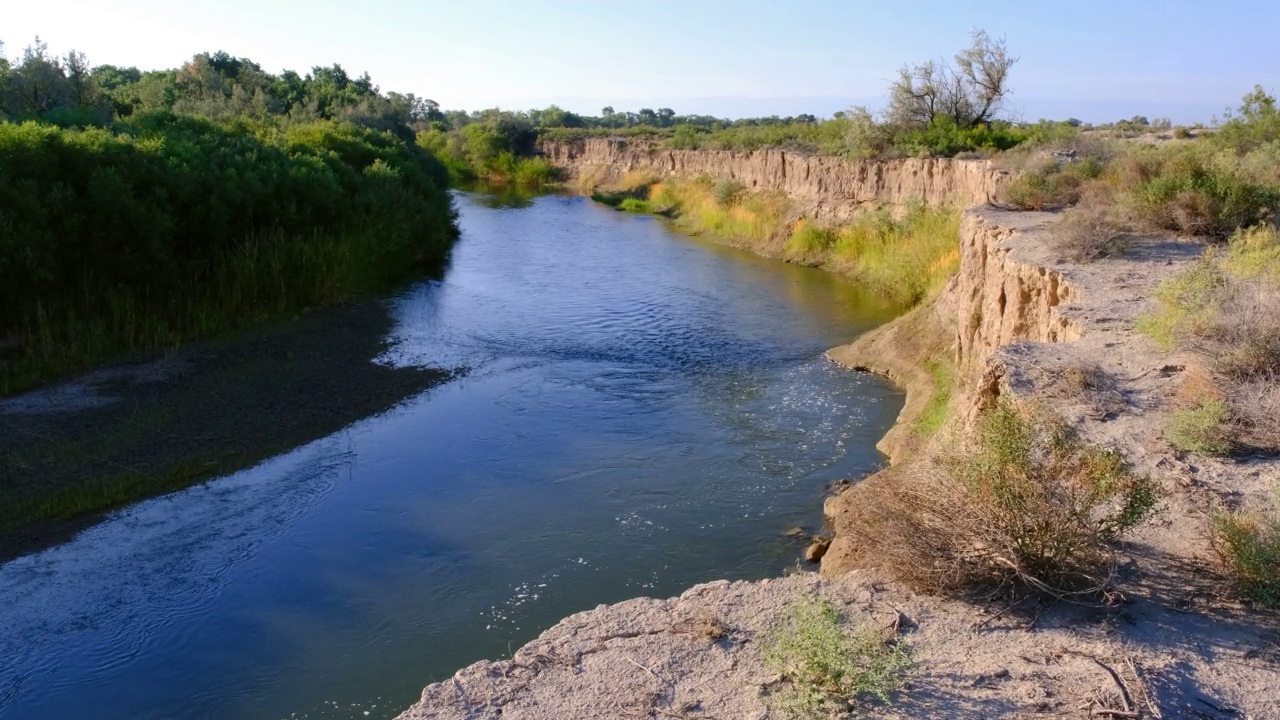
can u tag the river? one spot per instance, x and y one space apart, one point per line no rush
636 411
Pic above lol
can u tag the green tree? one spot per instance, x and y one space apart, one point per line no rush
38 83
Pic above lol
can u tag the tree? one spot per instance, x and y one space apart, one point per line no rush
81 80
38 83
969 93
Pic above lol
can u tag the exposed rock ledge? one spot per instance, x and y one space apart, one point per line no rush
826 189
1014 317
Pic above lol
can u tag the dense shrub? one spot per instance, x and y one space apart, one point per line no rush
1052 183
1088 232
166 227
1247 544
1186 190
1024 503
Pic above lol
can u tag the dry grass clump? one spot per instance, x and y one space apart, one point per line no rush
1247 545
829 666
1093 387
1023 504
704 625
1088 232
1226 310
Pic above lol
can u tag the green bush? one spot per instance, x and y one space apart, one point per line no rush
1191 193
1024 503
1248 547
727 192
634 205
1052 184
164 228
827 666
1187 303
1201 429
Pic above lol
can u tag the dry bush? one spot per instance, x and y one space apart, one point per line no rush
1193 212
1254 406
1241 338
1090 385
1089 232
704 625
1024 504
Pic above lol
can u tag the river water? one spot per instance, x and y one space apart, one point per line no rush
639 411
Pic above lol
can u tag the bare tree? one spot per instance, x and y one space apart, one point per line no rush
969 93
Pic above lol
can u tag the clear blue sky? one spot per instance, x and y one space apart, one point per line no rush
1093 60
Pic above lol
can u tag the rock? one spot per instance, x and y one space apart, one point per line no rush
795 533
816 550
823 188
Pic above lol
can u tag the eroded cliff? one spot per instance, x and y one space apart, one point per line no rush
826 189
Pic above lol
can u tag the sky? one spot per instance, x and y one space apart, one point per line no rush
1097 61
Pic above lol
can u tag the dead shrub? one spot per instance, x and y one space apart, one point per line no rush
1089 232
1241 338
1090 385
1254 407
704 625
1194 212
1025 503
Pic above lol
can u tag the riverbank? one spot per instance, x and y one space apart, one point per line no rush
1017 321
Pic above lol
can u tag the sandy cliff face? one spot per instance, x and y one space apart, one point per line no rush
994 300
825 188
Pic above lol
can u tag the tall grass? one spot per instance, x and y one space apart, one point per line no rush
905 259
270 276
163 229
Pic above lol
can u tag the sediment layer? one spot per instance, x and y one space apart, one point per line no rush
825 189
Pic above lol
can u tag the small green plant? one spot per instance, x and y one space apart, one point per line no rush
935 413
1201 429
635 205
1247 544
829 666
1187 301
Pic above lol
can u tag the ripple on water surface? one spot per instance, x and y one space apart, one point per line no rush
641 412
